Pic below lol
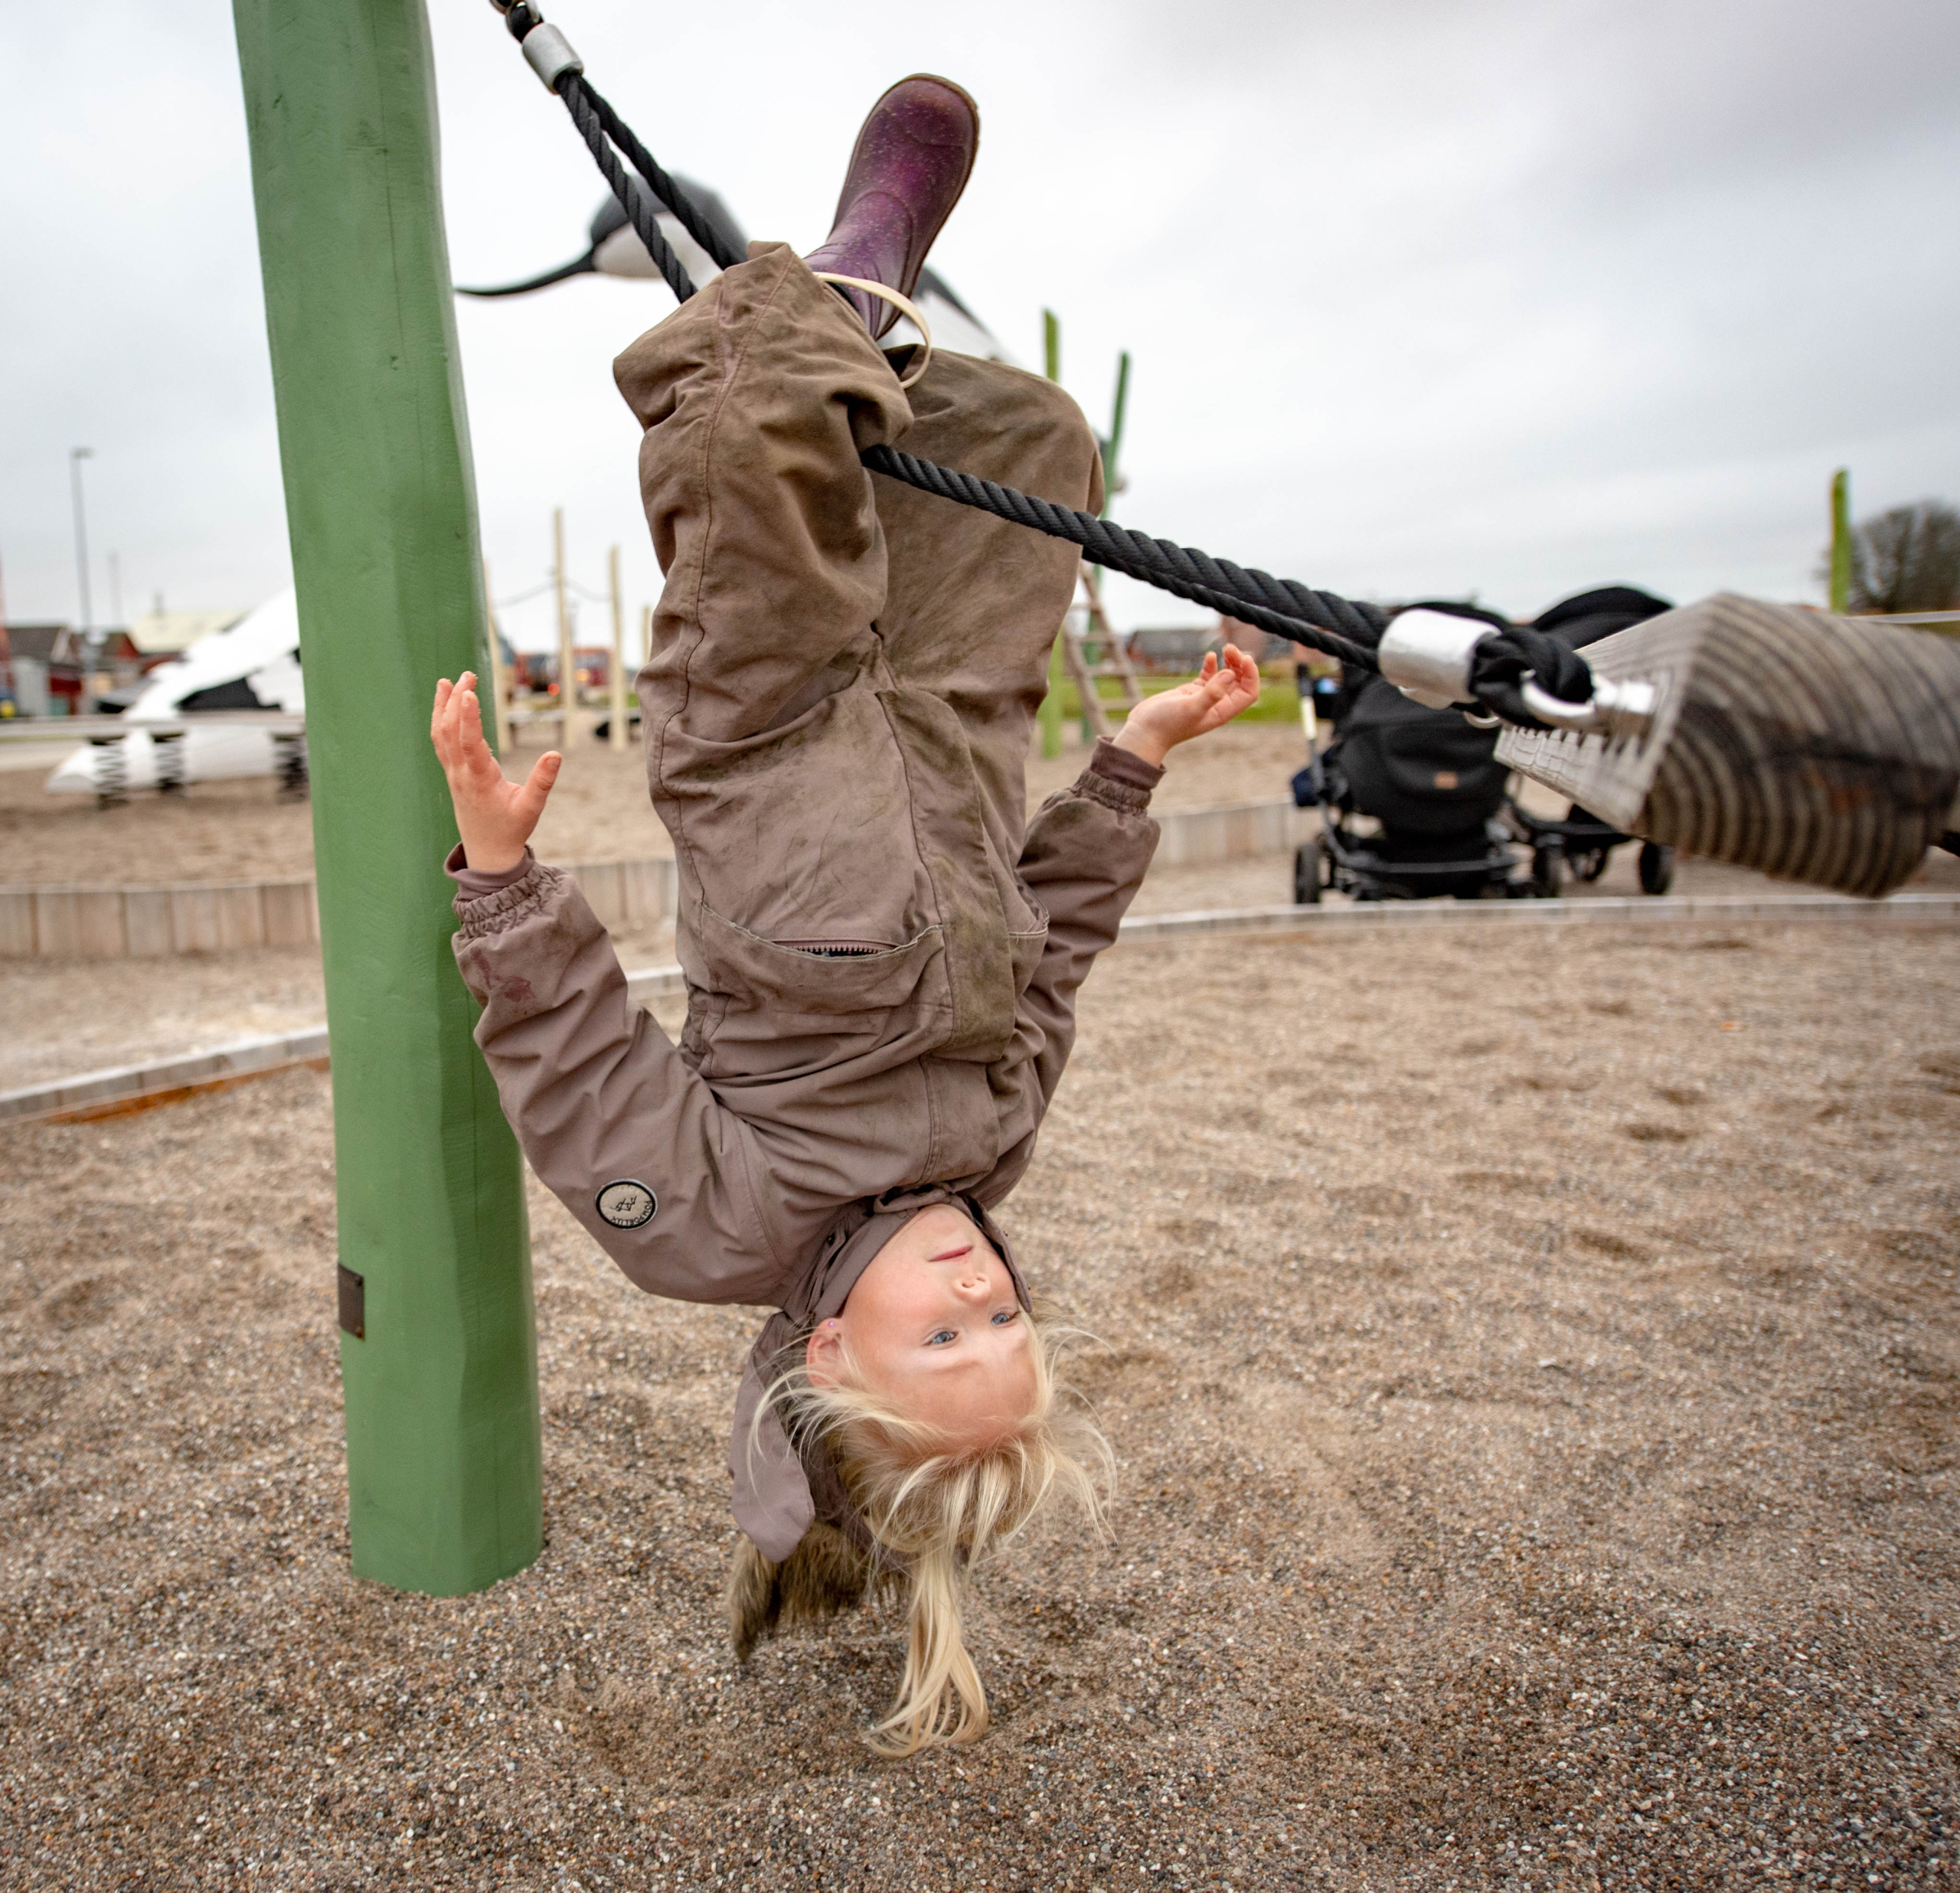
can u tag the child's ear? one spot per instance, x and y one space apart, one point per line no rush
823 1354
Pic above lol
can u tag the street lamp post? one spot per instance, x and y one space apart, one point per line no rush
76 456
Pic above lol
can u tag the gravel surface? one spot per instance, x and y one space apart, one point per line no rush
1535 1392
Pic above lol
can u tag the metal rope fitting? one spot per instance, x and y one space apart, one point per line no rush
549 54
1427 656
1616 709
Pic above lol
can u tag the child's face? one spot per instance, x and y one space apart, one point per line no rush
934 1327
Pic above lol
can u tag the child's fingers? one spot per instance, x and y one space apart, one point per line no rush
473 750
438 722
538 786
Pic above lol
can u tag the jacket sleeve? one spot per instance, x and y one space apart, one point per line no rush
617 1125
1086 854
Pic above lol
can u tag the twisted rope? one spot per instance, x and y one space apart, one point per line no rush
1318 619
662 186
578 98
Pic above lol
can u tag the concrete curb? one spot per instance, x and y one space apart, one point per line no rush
125 1088
1784 909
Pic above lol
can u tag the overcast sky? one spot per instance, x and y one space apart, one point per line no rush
1502 296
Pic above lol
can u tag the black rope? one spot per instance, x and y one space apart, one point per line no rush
663 186
577 95
1318 619
1321 621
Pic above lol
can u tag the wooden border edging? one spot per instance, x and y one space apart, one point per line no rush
127 1088
89 922
115 923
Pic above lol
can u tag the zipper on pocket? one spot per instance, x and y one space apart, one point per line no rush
837 949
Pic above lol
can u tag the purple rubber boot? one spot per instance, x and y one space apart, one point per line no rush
910 163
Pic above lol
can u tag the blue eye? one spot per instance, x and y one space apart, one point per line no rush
943 1337
1005 1316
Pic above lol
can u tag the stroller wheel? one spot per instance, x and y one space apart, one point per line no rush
1657 867
1306 875
1547 871
1589 865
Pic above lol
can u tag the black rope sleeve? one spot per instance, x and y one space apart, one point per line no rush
577 95
1502 662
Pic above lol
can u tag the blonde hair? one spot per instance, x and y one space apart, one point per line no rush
936 1509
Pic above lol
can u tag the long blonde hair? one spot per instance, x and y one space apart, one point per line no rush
938 1510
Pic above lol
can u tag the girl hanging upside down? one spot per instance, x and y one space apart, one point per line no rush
882 954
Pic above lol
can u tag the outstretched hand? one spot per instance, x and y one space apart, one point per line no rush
495 816
1159 723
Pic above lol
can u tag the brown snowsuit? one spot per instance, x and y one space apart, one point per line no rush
881 967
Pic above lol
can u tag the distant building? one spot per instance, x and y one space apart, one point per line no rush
50 669
1180 649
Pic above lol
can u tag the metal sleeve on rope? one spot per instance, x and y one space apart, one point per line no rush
549 54
1427 656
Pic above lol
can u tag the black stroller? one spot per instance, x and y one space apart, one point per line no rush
1587 843
1410 800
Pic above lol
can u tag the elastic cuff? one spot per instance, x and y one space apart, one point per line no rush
502 907
473 884
1116 777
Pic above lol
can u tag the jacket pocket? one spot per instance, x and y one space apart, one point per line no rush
817 980
1028 936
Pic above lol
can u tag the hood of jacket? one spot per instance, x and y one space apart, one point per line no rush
779 1492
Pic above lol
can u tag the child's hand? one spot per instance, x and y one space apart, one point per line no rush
1159 724
494 817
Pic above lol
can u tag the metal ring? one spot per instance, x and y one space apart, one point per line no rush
904 304
1625 708
1555 710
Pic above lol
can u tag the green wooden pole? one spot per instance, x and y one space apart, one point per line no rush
1841 540
442 1384
1051 704
1113 448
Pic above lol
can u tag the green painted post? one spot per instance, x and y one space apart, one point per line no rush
1051 704
442 1389
1841 540
1113 448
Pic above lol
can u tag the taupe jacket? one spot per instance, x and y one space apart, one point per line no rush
881 967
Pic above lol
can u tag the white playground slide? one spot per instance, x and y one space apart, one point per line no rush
260 652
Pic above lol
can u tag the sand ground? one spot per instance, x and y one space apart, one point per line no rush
1534 1389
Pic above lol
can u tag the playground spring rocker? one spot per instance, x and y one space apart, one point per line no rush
1813 747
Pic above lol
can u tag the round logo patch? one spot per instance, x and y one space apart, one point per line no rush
626 1205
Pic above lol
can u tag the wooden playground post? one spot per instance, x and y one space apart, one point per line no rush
500 680
1051 704
1841 540
439 1349
616 732
568 671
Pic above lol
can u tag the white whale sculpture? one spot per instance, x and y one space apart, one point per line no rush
256 662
